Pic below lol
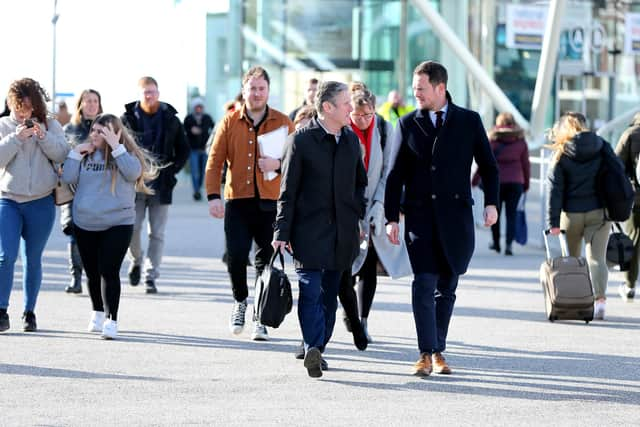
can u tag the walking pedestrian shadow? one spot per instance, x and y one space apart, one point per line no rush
487 313
517 374
273 345
40 371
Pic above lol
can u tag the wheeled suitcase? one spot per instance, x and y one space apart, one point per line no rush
568 294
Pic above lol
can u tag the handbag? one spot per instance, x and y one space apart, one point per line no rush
619 248
62 194
273 291
521 221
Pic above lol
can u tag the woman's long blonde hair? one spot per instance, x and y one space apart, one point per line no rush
568 125
150 167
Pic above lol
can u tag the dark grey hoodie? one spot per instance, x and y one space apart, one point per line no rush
572 179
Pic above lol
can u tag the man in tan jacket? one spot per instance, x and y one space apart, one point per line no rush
250 197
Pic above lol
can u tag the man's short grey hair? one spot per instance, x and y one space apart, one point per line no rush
328 92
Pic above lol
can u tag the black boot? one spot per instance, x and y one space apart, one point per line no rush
75 268
4 320
29 321
299 354
359 335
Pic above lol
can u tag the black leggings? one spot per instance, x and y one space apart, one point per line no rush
102 253
367 282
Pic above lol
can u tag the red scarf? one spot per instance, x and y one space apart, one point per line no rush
365 141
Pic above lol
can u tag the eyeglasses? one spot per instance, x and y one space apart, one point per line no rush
149 92
362 116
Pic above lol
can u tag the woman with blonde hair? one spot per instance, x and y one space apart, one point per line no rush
107 170
88 107
30 141
573 204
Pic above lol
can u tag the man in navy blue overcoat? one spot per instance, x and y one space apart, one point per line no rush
433 150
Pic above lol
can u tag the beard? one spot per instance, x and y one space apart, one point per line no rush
149 108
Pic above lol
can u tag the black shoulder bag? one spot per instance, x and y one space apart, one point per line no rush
273 293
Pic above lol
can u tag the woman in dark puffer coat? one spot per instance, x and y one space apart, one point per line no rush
573 203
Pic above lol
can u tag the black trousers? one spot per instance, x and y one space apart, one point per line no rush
246 220
102 253
509 195
367 279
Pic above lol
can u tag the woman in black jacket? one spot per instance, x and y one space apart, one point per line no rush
573 203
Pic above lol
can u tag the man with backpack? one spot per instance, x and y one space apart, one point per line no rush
628 150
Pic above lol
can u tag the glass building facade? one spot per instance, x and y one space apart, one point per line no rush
381 41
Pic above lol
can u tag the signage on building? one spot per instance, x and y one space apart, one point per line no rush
577 37
632 32
525 26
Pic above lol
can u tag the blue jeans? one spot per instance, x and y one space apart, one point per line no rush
33 222
317 304
432 298
197 163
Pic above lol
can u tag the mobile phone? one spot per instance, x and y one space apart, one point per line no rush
28 123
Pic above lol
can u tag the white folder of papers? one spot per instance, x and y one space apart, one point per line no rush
271 144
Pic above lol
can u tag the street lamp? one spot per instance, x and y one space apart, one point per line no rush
54 21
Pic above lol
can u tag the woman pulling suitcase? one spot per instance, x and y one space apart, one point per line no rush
573 203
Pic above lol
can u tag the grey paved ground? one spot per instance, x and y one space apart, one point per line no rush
176 363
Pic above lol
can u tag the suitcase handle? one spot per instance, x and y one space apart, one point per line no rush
564 246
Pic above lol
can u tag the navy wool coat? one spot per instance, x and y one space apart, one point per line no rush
434 168
321 198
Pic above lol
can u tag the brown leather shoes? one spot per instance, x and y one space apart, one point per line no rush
440 365
422 367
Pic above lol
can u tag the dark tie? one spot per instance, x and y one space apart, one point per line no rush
439 120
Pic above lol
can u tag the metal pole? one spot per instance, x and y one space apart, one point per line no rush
402 51
613 75
546 68
442 30
54 21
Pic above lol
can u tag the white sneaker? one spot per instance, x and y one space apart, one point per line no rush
598 312
626 292
109 329
97 319
236 322
259 332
